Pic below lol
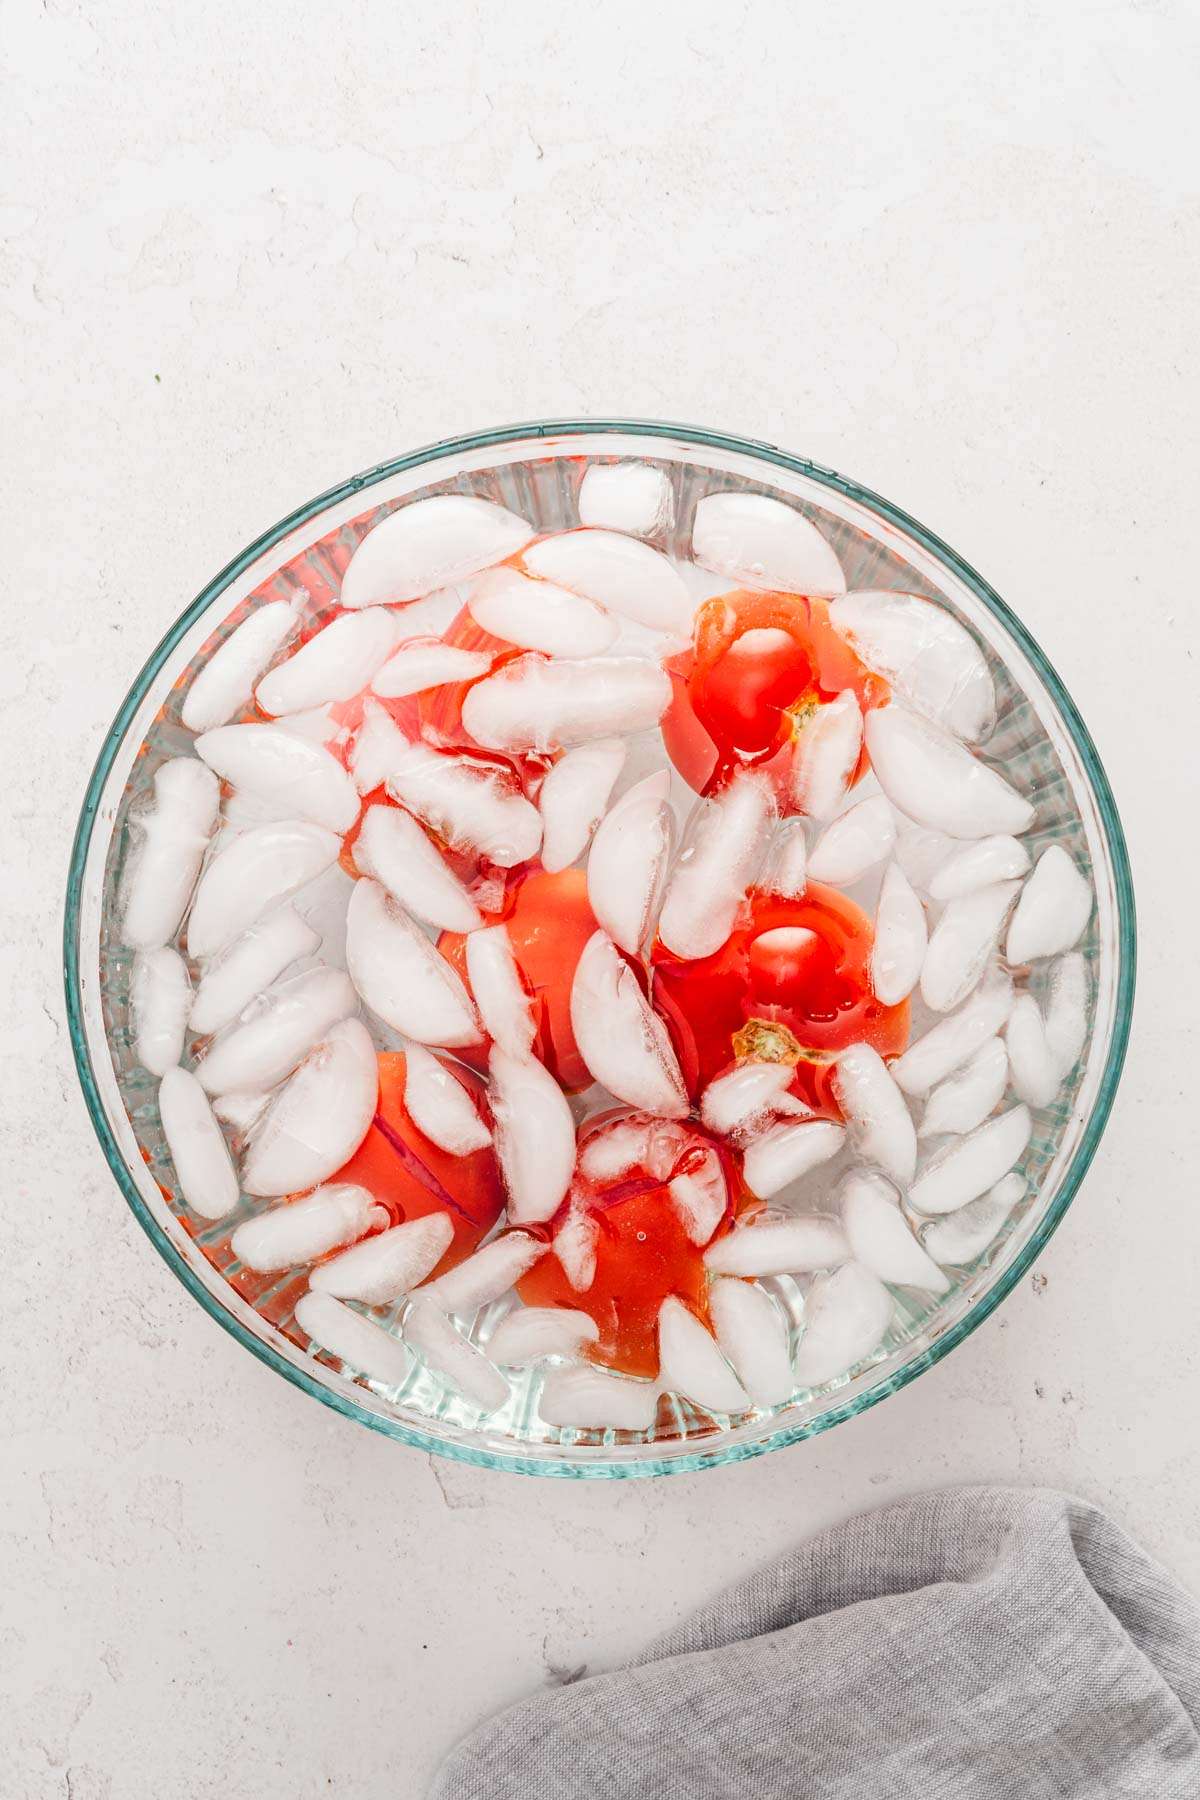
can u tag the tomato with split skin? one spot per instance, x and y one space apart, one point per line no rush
791 984
549 920
760 667
411 1177
643 1252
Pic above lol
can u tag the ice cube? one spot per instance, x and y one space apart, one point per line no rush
623 1042
619 573
968 1166
630 496
825 756
318 1119
786 1152
960 1237
336 663
446 1351
752 538
921 852
379 746
241 1111
926 655
424 663
953 1041
203 1165
239 812
786 871
302 1230
534 1134
485 1275
1053 910
355 1341
537 615
691 1364
428 544
472 806
582 1398
978 865
277 1032
846 1317
880 1127
431 616
779 1244
1066 1011
962 942
856 842
628 860
963 1100
315 724
721 856
529 1334
754 1338
1035 1077
381 1269
936 781
392 848
700 1196
611 1151
505 1008
400 975
165 863
440 1106
575 1246
748 1096
248 967
224 684
532 703
285 770
160 998
901 937
573 798
880 1237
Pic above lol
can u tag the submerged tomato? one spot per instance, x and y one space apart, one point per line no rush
411 1177
760 667
791 984
549 921
642 1248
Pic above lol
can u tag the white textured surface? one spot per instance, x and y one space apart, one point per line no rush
955 258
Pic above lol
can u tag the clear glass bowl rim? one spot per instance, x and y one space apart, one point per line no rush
1126 948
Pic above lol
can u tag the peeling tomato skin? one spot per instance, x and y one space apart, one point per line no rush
791 984
468 1189
760 663
549 921
643 1252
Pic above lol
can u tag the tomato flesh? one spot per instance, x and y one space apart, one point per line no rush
549 921
760 667
791 984
412 1177
642 1249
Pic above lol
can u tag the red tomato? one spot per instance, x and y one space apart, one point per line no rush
411 1177
642 1249
549 921
760 666
791 984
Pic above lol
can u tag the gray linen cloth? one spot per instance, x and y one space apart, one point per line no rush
980 1644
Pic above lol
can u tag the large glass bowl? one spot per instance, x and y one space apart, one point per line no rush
535 470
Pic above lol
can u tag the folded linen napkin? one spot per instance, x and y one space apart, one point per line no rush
978 1644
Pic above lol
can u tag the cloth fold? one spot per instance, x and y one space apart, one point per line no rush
976 1644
